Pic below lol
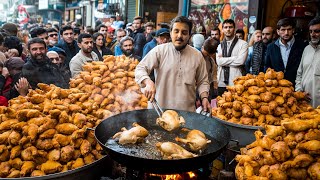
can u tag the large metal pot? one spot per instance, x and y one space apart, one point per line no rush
242 133
93 171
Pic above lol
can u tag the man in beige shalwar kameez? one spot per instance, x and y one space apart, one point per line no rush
180 71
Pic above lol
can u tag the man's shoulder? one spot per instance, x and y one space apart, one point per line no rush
240 41
75 58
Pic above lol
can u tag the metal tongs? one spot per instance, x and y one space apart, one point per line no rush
157 107
200 110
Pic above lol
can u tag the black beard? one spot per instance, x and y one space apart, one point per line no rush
180 47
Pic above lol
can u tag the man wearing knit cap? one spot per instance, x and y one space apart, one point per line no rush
198 40
10 29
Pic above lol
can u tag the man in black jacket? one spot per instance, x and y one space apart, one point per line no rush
285 53
138 36
68 44
39 69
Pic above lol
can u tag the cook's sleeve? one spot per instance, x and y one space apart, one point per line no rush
146 65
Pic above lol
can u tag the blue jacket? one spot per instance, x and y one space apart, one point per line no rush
273 59
117 50
139 41
150 45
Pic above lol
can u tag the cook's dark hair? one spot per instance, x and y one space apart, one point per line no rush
13 42
286 22
229 21
240 31
314 21
181 19
36 40
65 28
82 36
210 45
35 32
126 38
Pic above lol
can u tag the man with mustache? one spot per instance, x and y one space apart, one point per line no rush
180 71
39 68
85 42
52 37
285 53
127 47
231 56
308 75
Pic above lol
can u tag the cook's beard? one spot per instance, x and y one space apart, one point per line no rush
179 48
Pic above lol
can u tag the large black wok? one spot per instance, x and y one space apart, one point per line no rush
146 158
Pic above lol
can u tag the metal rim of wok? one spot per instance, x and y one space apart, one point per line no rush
107 128
74 174
238 125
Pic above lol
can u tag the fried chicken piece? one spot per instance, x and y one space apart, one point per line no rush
276 175
247 111
85 147
64 118
299 95
266 97
88 159
31 131
15 151
239 172
136 134
279 100
300 161
268 158
171 150
241 159
300 125
195 140
45 144
5 168
96 154
312 134
66 153
290 140
13 173
313 145
170 120
6 125
262 141
54 155
4 137
48 134
299 136
16 163
37 173
270 119
66 128
38 120
280 151
27 168
51 167
274 131
29 153
296 152
77 163
79 120
255 152
78 134
4 153
314 170
63 140
285 83
49 124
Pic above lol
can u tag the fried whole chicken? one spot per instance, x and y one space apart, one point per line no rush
171 150
196 140
136 134
170 120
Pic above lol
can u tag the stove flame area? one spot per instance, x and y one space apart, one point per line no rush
182 176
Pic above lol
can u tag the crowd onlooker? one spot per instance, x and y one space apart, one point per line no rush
99 47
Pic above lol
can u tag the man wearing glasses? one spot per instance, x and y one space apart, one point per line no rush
308 74
52 37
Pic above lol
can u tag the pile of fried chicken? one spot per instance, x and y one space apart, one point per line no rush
111 84
266 98
170 120
288 151
46 131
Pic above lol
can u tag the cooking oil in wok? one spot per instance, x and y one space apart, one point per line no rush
148 150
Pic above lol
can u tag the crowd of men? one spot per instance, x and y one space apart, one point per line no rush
176 67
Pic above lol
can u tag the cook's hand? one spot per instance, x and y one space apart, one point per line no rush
206 105
150 89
